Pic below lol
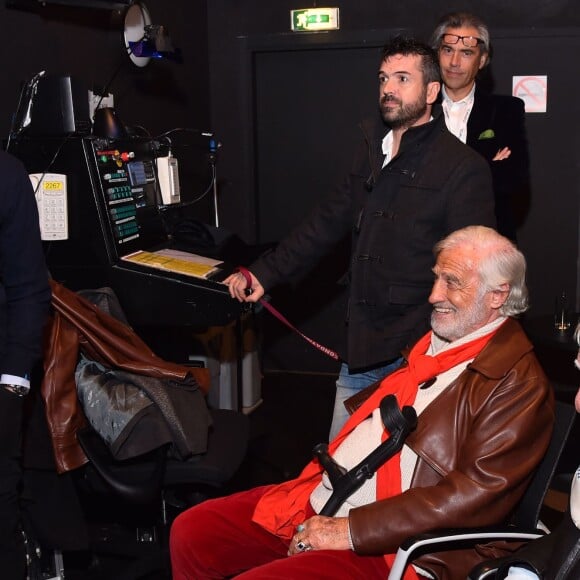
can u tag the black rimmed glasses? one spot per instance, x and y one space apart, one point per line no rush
468 41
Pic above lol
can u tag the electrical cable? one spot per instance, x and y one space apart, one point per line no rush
165 137
108 84
197 199
185 130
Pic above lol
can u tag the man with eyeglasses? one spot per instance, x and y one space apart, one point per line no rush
493 125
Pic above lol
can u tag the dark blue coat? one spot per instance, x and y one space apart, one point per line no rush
24 291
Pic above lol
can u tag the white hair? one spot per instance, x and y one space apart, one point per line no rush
500 263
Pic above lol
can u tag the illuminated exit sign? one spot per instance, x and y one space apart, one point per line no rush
313 19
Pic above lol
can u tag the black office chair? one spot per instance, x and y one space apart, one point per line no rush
129 504
523 525
143 495
142 480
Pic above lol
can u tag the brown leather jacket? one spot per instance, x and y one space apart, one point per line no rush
478 444
77 325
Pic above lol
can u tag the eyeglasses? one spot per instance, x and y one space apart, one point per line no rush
468 41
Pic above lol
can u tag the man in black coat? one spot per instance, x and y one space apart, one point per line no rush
410 184
24 300
493 125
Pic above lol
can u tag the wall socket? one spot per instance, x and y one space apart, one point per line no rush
94 100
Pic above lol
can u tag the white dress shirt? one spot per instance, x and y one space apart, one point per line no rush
457 113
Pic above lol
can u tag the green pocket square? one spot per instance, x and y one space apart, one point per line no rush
487 134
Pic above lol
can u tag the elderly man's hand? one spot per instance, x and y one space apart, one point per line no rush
320 533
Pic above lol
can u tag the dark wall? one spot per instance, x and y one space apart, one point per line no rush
224 43
87 43
264 87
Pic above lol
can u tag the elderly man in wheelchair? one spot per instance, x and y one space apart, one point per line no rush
485 417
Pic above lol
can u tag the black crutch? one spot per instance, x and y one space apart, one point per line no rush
344 483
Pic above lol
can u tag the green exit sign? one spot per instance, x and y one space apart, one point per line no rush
313 19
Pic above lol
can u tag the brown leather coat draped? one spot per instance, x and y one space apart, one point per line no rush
478 444
77 325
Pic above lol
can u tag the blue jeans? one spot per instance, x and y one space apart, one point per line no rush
348 384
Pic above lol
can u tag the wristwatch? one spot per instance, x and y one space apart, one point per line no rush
16 389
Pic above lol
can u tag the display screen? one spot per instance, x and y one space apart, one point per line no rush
137 173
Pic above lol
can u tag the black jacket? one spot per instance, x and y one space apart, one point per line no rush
433 186
498 121
24 293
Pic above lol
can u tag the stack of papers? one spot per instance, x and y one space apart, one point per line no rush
175 261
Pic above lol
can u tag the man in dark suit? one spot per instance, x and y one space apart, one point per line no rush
493 125
24 302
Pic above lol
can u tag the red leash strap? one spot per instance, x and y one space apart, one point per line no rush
327 351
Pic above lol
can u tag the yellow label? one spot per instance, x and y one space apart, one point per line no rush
52 185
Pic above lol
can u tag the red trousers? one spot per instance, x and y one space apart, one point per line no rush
217 539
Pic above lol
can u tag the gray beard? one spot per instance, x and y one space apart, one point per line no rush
470 320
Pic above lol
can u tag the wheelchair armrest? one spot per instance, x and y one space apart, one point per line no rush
451 540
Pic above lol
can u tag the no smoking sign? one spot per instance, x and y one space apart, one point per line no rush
533 90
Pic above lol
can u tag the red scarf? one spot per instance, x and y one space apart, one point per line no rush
282 508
